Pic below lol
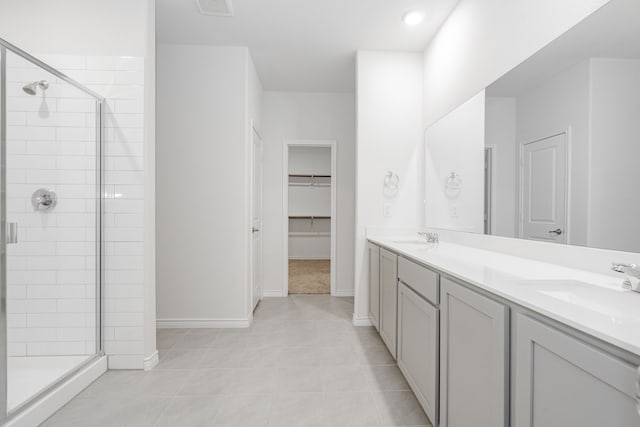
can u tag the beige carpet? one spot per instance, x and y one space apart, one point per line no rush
309 276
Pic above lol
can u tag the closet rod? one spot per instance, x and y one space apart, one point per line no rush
308 176
309 217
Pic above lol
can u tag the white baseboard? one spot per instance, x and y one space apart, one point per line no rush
272 294
151 361
203 323
362 321
42 409
126 361
343 293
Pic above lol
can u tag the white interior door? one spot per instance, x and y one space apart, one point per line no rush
544 189
256 220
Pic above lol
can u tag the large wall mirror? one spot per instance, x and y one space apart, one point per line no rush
561 141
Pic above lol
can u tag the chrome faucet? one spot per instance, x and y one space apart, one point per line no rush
430 237
632 271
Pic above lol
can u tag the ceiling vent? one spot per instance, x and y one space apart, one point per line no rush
215 7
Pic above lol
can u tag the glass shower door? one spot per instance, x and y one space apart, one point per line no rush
52 215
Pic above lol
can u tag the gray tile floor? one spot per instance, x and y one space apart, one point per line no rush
302 363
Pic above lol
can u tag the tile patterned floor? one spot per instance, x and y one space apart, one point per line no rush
301 364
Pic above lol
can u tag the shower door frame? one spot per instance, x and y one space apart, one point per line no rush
6 47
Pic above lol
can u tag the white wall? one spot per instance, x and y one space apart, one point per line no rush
78 27
500 134
614 207
203 224
481 40
455 144
307 116
561 104
310 160
389 138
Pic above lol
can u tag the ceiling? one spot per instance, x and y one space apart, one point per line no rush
304 45
613 31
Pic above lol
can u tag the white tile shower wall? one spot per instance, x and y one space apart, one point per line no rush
51 270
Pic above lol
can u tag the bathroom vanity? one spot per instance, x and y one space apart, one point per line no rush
489 339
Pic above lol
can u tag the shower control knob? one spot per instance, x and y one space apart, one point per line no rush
44 199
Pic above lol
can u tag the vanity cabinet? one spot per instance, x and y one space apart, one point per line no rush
374 284
474 362
388 299
562 381
418 347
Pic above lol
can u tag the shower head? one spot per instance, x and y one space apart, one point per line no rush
30 89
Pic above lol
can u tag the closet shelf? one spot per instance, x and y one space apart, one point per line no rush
309 234
308 184
309 180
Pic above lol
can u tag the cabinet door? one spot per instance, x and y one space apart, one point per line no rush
374 285
473 359
561 381
388 299
418 348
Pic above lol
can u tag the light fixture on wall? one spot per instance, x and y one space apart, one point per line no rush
412 18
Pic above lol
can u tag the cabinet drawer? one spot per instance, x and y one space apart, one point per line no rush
422 280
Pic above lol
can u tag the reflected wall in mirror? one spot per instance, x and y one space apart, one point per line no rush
453 168
562 138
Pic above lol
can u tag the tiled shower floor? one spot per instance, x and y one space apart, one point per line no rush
302 363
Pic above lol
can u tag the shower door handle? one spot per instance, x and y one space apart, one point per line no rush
12 233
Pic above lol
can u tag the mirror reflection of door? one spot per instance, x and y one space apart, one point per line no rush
543 189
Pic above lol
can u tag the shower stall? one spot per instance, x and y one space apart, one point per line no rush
51 131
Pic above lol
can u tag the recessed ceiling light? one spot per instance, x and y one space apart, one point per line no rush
412 18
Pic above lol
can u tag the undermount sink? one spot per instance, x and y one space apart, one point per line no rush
587 296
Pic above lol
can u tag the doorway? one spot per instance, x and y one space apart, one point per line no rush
310 217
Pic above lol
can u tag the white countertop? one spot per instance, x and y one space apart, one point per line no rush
592 303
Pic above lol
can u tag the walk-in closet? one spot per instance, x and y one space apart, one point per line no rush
309 210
